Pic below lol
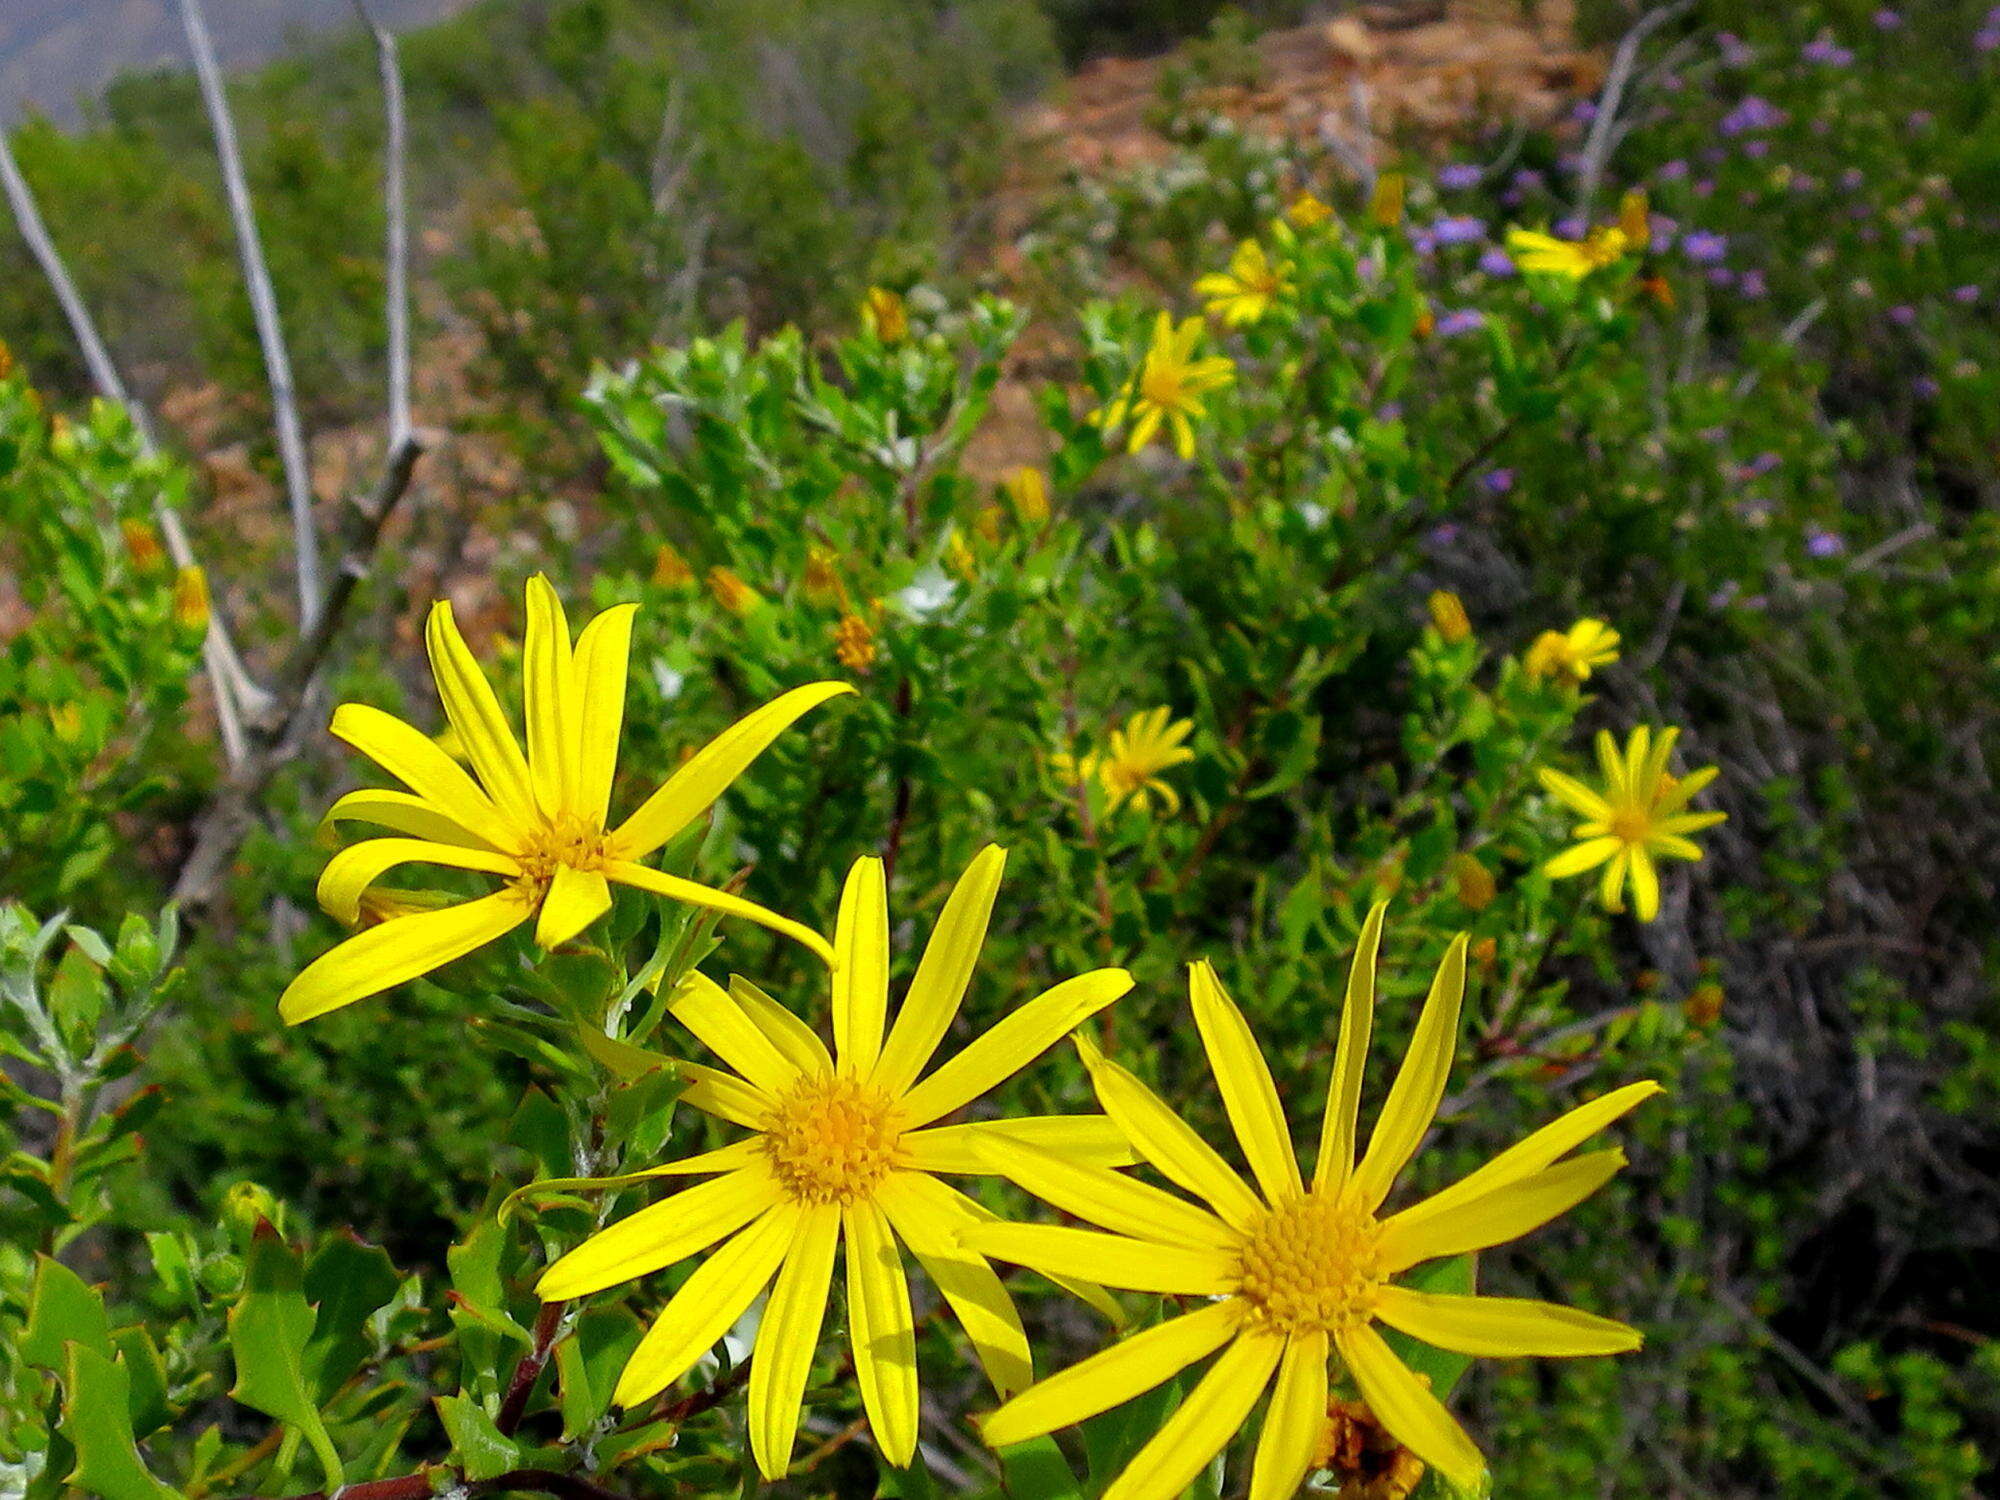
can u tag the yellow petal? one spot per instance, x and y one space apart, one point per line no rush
1610 884
549 690
1166 1140
1213 1413
1574 793
1675 845
1013 1043
1295 1422
1404 1404
707 1306
705 1008
1122 1204
695 894
1128 1368
707 774
660 1234
724 1095
861 968
1502 1327
788 1337
791 1036
383 957
943 974
1528 1157
355 868
1645 885
576 898
928 1216
1494 1218
1248 1095
1149 421
1413 1098
954 1148
602 653
414 760
1585 856
1109 1259
1338 1132
474 711
882 1332
402 812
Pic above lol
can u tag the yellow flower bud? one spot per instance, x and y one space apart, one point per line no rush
959 557
822 581
66 719
670 569
1385 203
1473 881
1307 211
191 599
884 315
1635 219
1448 615
1029 492
731 592
1703 1005
142 544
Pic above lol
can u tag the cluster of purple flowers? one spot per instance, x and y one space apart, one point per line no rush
1459 176
1753 114
1987 38
1704 247
1824 49
1460 320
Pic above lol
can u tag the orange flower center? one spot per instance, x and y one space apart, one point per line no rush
1312 1264
567 840
831 1139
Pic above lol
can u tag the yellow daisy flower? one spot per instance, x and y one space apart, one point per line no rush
537 821
1637 817
1248 289
844 1146
1168 388
1293 1272
1129 766
1535 251
1574 653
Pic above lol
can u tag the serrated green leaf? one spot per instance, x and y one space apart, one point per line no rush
475 1442
345 1281
269 1328
146 1375
97 1421
62 1310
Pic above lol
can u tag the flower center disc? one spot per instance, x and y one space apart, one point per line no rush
1630 824
568 840
831 1139
1312 1265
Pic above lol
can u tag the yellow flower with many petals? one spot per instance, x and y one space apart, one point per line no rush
1250 287
536 820
1168 388
1297 1271
1574 653
1640 815
845 1146
1129 766
1535 251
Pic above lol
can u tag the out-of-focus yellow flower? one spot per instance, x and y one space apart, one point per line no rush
536 821
1473 882
1249 289
1168 388
1574 653
670 569
6 360
1029 492
1130 766
844 1147
1308 212
1284 1274
884 314
142 544
1385 201
1635 220
822 579
1703 1006
854 643
1534 251
1637 817
1447 613
191 606
959 557
731 592
66 719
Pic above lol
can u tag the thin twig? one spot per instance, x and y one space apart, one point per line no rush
396 209
1598 144
264 308
230 684
514 1405
420 1487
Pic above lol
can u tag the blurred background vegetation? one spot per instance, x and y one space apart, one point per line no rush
644 230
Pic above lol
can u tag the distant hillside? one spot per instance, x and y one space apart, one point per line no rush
54 53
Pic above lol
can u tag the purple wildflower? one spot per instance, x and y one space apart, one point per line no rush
1460 320
1660 230
1966 294
1823 543
1583 111
1444 535
1497 481
1703 247
1496 262
1824 49
1570 227
1751 284
1756 148
1888 20
1752 114
1986 39
1903 315
1674 171
1759 466
1926 388
1459 176
1720 276
1734 50
1458 229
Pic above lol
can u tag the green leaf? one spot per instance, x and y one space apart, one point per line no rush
345 1281
146 1374
475 1442
97 1421
269 1328
1036 1470
588 1363
62 1310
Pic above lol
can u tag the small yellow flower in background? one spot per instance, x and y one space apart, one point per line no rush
1703 1005
844 1146
142 544
731 592
1639 815
1472 882
66 719
1535 251
191 606
822 577
1574 653
1029 493
1447 613
991 524
536 820
1307 211
1294 1272
884 315
1248 289
960 558
670 569
1168 388
1385 200
1635 220
1130 765
854 643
